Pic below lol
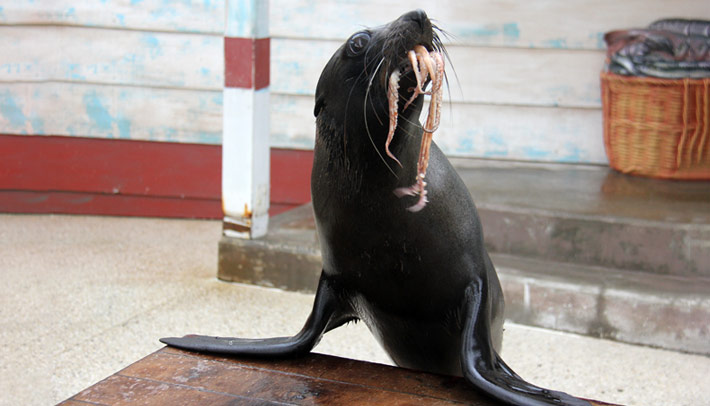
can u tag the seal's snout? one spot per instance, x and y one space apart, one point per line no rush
418 24
418 16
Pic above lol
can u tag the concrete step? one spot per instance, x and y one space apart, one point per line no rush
665 311
591 215
635 307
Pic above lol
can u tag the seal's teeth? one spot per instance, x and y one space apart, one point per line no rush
404 191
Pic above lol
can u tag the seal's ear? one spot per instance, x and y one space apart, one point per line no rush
319 105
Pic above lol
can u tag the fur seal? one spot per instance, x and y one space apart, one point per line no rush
421 281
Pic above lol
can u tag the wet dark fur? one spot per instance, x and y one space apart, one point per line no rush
422 282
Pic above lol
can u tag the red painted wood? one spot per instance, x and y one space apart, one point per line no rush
291 176
34 202
246 62
262 63
143 168
46 174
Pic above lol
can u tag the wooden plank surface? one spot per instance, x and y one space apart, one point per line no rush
527 85
47 174
171 376
534 77
111 167
87 55
204 16
467 129
87 203
578 24
120 57
127 112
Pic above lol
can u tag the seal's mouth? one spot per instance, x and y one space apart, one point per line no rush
428 68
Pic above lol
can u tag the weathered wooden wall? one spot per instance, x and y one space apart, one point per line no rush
527 72
142 70
526 84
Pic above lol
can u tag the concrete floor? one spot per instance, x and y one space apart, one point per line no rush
85 296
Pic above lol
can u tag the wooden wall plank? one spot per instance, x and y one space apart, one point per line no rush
111 57
536 77
472 130
205 16
557 24
46 174
544 134
57 202
88 110
159 169
156 73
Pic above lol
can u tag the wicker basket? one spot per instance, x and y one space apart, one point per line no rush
657 127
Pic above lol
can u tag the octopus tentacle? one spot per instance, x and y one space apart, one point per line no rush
421 72
392 98
425 65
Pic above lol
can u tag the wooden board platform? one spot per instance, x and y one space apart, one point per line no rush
174 377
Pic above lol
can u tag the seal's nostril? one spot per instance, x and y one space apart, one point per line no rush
418 16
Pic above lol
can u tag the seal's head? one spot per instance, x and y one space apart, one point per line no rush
351 96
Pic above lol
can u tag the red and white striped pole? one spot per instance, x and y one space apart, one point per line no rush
245 133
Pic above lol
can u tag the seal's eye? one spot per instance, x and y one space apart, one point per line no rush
357 43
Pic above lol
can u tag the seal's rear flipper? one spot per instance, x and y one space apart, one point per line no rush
325 316
483 367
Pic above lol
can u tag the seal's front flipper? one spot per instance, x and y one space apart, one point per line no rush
325 316
483 367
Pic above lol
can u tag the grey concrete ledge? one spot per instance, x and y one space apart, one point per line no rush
633 307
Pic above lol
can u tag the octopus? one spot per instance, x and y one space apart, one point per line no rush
425 65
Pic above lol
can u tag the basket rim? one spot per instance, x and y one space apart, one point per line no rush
646 80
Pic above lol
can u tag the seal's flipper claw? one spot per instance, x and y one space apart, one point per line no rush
483 367
325 316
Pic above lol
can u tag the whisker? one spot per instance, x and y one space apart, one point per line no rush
369 86
367 127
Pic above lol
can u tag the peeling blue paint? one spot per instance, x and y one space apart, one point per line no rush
465 145
11 111
483 31
496 146
73 70
511 31
97 112
573 154
37 125
170 134
534 153
495 138
557 43
11 67
167 10
209 138
601 44
153 44
102 119
18 121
